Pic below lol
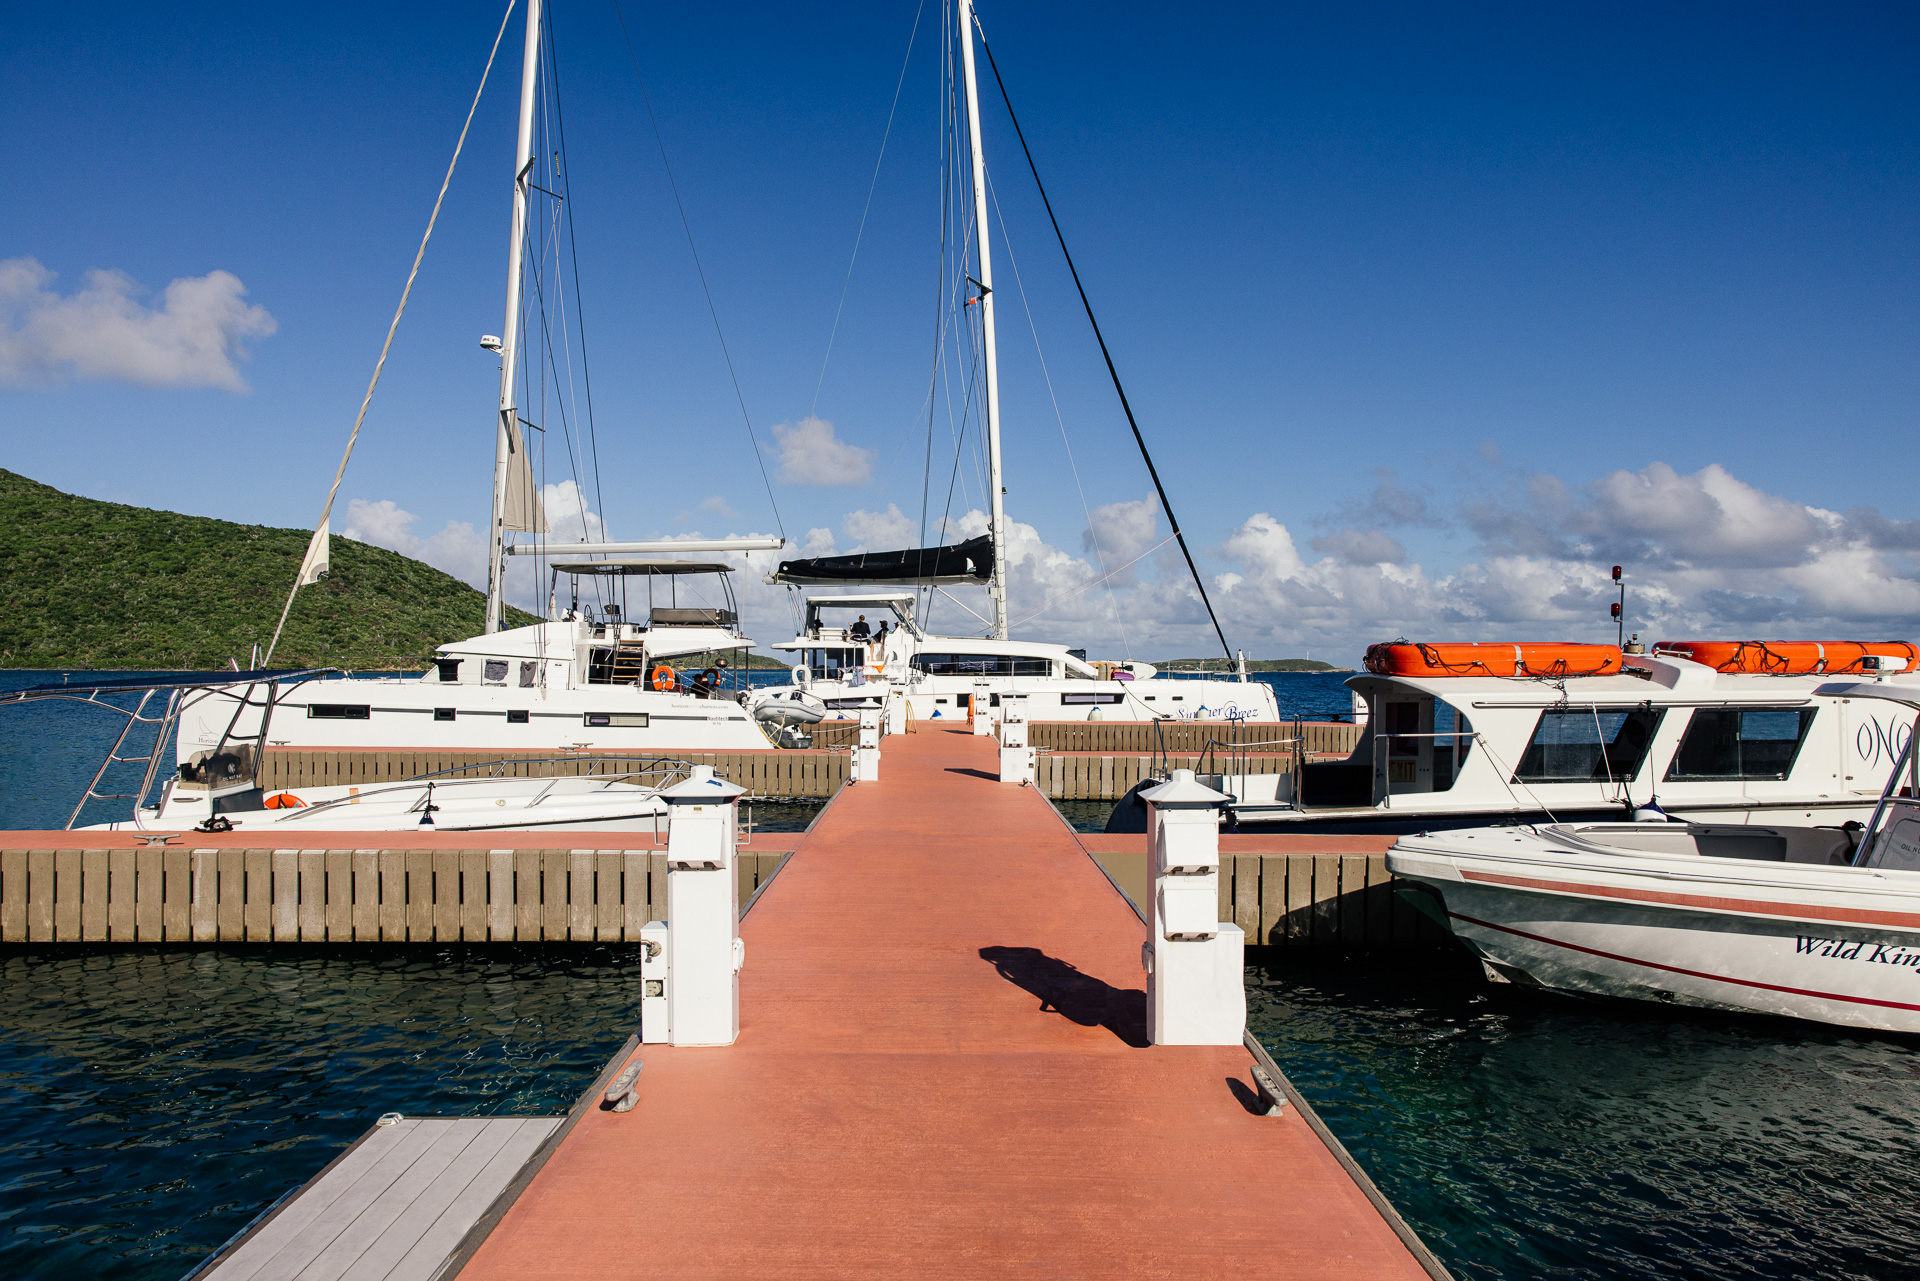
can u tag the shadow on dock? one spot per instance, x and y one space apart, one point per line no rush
1078 997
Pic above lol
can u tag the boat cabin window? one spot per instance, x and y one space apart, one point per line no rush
981 665
1585 744
1741 742
828 664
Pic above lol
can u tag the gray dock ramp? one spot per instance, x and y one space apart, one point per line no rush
390 1208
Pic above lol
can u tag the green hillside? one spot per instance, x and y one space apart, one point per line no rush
87 584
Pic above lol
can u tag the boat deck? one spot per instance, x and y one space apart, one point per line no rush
942 1071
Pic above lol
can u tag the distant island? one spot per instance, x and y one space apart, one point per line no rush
89 584
1253 665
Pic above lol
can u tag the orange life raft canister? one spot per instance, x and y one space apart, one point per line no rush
1788 658
1503 658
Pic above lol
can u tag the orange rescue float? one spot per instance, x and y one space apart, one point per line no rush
1499 658
1788 658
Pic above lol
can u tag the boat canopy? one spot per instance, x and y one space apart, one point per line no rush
958 563
636 566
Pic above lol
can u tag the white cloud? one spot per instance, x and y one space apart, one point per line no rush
569 518
1362 546
717 506
1119 532
461 550
1706 555
885 531
810 454
194 338
458 549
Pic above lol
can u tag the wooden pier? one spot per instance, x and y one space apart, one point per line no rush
1078 760
942 1071
317 887
524 887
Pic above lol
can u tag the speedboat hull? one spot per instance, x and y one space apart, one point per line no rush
1560 908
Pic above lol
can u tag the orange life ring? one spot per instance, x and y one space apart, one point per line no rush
665 678
1525 658
1788 658
284 801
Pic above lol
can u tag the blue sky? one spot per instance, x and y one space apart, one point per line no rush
1430 314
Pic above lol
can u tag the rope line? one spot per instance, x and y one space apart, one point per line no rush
326 511
1112 372
687 226
873 185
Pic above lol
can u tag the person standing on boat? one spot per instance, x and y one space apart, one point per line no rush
709 679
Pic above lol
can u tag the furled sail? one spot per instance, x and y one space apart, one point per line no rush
968 562
524 512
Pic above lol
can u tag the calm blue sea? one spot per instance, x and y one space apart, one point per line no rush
151 1102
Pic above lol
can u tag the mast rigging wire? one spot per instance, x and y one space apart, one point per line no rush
326 511
1112 372
565 183
1099 550
873 185
687 226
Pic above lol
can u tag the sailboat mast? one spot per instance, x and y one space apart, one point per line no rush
510 336
995 485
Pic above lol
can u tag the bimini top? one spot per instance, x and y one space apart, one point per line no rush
640 566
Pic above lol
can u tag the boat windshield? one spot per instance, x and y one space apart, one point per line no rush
1585 744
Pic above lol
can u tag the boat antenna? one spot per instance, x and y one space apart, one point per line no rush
315 564
1106 355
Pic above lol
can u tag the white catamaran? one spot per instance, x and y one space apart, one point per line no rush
594 676
844 659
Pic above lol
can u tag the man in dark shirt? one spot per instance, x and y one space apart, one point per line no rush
859 631
708 680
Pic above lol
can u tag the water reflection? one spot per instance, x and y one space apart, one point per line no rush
152 1102
1528 1134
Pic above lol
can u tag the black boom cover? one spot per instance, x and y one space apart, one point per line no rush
968 562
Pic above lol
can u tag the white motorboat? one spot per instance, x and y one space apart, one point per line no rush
217 789
1813 922
448 803
1749 740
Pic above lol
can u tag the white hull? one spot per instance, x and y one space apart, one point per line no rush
1056 699
404 714
1831 943
460 805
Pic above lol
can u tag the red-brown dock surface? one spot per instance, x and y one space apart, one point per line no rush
968 1097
